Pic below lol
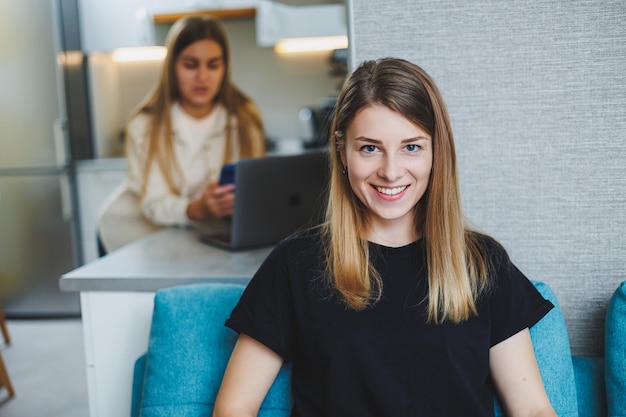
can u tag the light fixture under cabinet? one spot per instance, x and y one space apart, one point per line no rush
324 43
142 53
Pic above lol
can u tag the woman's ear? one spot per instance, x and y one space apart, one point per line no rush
341 150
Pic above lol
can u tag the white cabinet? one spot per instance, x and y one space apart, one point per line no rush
116 328
111 24
106 25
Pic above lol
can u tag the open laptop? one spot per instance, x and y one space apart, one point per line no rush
274 197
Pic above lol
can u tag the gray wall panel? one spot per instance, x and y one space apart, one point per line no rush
537 95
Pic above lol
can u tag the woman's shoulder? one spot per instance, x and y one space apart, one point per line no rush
293 258
303 244
303 238
137 126
486 242
491 250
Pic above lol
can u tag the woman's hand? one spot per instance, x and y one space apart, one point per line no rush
219 200
216 202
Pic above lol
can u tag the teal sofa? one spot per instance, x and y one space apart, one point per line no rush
189 347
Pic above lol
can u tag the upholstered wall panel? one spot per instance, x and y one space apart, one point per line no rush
537 95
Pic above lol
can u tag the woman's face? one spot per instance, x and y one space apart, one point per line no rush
199 70
388 159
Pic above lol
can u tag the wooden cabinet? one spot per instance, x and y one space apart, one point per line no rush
221 14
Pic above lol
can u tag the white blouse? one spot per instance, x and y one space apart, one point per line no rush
199 146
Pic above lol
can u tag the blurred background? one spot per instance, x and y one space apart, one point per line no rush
71 71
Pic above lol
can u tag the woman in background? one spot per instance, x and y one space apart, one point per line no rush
194 122
394 306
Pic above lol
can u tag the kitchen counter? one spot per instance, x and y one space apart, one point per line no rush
117 299
166 258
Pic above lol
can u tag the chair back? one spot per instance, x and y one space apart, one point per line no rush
188 351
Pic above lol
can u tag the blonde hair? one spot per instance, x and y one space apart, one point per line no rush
158 104
457 264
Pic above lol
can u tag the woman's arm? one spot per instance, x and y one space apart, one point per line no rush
158 204
517 379
250 373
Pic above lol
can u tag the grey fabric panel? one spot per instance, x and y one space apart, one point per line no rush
537 95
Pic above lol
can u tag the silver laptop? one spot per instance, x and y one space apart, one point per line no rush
274 197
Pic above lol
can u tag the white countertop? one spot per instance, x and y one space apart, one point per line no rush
166 258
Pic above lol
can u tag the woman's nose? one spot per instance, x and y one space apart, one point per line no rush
203 73
390 168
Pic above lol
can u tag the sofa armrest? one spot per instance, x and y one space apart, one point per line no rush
188 350
615 353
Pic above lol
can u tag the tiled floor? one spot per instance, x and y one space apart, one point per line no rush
46 363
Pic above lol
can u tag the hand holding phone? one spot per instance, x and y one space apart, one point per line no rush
227 175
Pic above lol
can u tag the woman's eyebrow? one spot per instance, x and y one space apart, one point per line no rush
195 59
414 139
216 59
366 139
376 141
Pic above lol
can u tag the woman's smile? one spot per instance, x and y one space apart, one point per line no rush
395 192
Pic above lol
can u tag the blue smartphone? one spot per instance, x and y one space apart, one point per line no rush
227 176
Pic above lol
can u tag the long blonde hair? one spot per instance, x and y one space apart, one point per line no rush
457 264
158 104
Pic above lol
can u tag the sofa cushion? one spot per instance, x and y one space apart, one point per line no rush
590 389
615 353
188 351
552 350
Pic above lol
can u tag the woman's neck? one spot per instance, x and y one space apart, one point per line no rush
197 112
392 234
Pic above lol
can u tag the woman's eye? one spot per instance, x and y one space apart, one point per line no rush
412 147
369 148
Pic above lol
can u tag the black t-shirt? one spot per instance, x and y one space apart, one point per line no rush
384 360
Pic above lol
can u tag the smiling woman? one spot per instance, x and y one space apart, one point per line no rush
394 294
193 122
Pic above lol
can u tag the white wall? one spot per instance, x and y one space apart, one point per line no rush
115 89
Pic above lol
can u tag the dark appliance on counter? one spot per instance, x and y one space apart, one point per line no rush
318 120
319 117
